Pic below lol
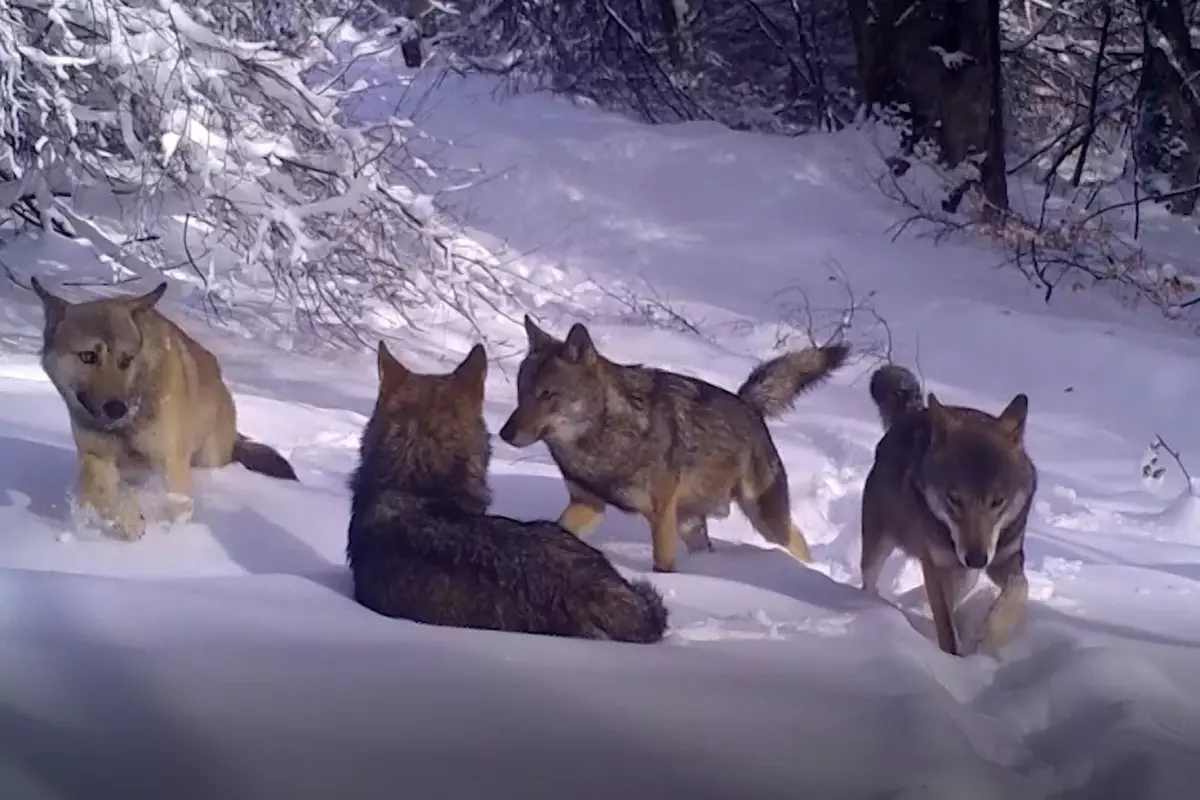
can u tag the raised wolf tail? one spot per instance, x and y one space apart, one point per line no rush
896 392
774 385
262 458
642 618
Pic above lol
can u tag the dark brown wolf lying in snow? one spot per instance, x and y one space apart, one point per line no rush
423 547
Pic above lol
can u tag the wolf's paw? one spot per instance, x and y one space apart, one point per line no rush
108 517
799 550
178 508
976 648
129 523
983 643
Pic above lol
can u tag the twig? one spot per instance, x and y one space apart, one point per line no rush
1161 444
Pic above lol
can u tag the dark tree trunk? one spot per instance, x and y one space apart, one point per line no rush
906 62
412 46
670 26
411 50
1167 141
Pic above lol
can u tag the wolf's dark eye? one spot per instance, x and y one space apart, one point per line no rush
124 361
546 394
996 501
87 357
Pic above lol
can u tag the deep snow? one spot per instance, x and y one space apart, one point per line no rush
222 658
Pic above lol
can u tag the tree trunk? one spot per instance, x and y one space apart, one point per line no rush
937 63
670 26
411 46
1167 140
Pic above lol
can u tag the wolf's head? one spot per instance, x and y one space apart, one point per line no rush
975 476
96 354
427 434
560 388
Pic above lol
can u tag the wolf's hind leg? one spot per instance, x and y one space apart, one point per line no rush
694 533
771 515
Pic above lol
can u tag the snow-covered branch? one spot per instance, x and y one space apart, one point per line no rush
158 108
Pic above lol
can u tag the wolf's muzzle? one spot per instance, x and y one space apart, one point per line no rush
513 435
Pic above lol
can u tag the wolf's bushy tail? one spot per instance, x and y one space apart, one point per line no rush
642 617
896 392
774 385
262 458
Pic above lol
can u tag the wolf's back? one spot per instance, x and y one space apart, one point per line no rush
492 572
896 392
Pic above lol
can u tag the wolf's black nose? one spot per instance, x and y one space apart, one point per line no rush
975 559
115 409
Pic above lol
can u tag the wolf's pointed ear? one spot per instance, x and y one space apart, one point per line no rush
939 419
390 370
53 306
148 300
1012 418
538 338
473 369
579 346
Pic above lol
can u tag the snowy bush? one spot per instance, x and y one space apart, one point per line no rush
245 149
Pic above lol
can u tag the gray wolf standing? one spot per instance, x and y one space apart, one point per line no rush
951 487
422 546
141 392
672 448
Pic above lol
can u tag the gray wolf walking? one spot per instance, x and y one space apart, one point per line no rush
422 546
951 487
141 393
670 447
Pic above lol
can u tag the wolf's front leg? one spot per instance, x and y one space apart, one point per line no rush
664 524
1009 610
176 465
100 490
583 513
939 606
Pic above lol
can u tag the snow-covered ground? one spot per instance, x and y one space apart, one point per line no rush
223 658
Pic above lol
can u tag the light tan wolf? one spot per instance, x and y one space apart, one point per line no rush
670 447
141 393
951 487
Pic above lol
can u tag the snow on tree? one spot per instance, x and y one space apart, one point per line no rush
248 148
937 67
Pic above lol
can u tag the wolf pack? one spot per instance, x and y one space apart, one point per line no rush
950 486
